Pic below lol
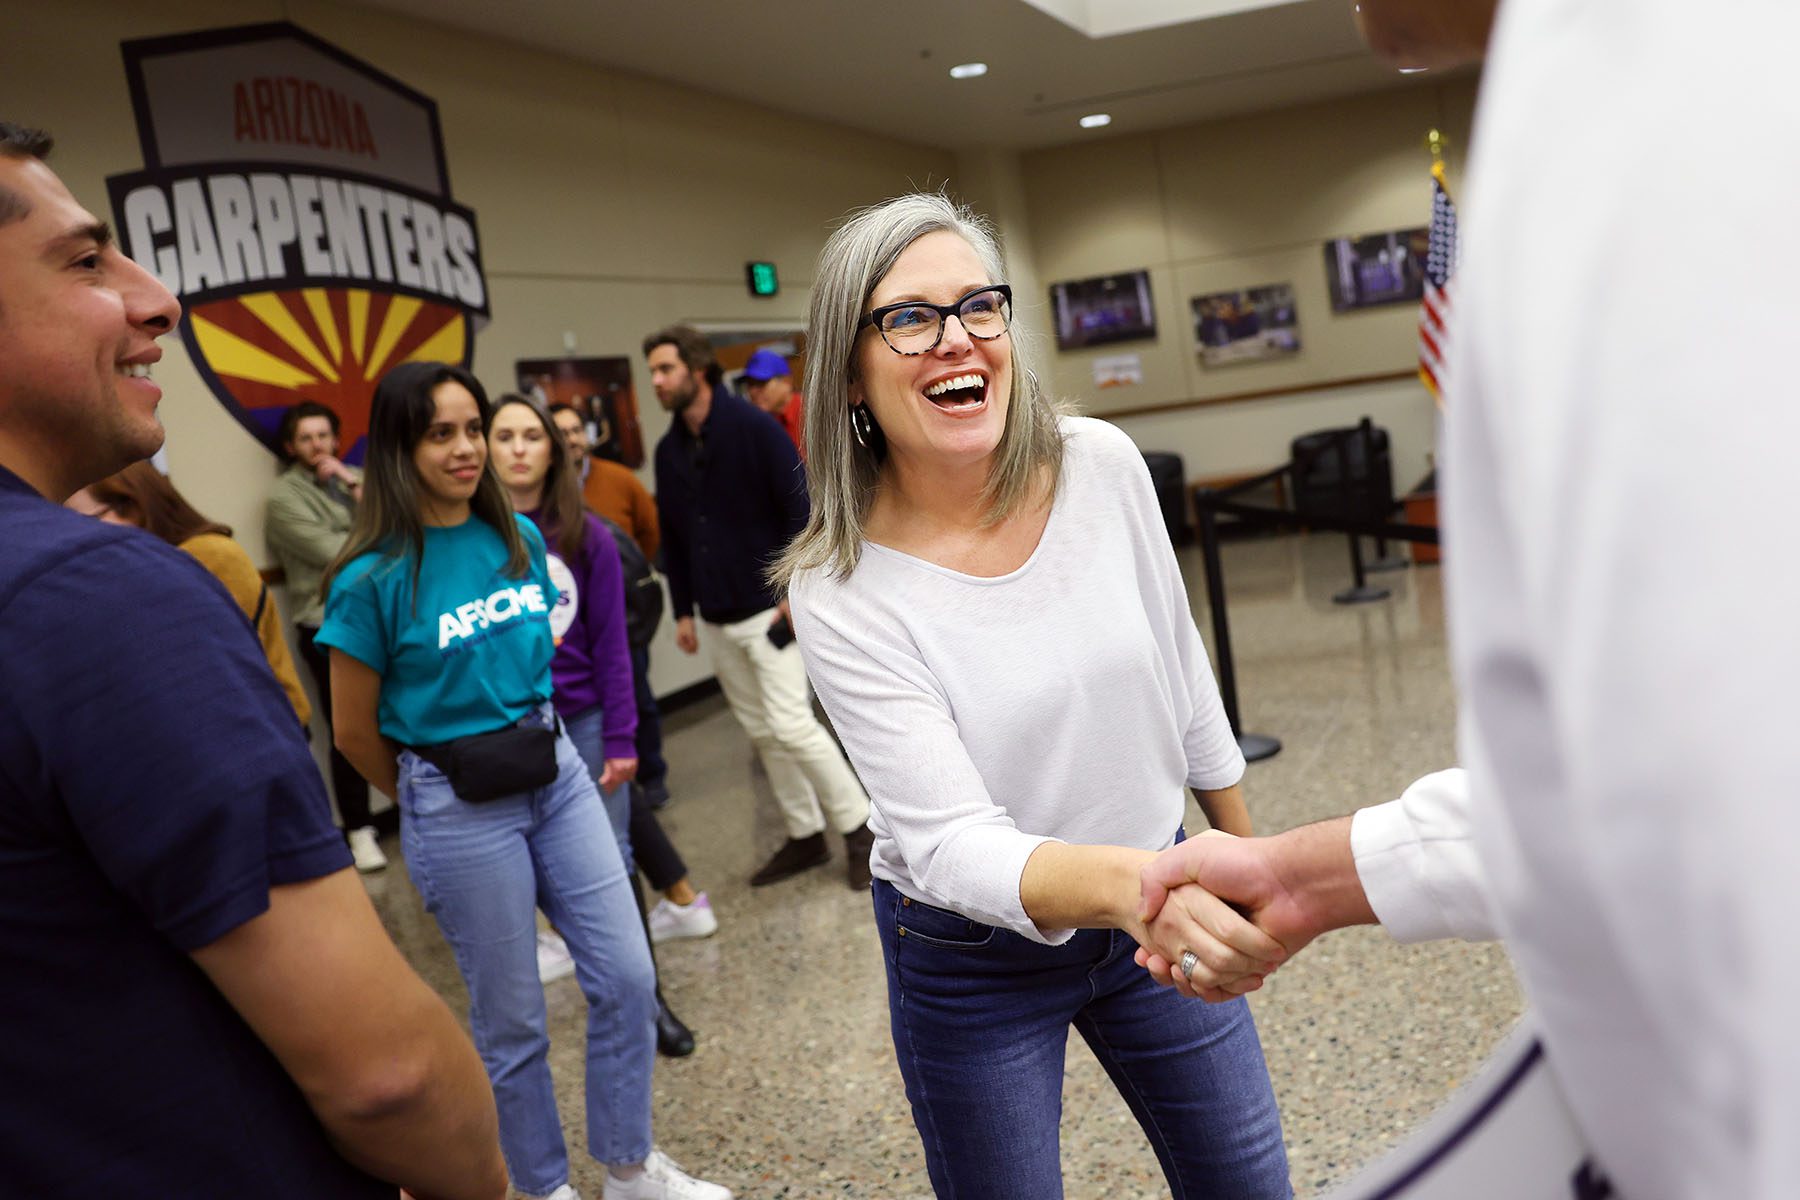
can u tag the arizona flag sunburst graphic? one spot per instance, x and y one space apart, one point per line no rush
296 200
272 349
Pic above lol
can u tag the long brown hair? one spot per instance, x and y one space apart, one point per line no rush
387 517
562 513
141 495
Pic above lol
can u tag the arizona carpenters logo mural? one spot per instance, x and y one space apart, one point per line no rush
297 201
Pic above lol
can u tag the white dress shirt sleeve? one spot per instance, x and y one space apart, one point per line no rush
1417 862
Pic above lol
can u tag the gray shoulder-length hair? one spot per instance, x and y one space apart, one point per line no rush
843 477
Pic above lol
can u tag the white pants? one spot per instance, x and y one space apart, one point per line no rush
768 694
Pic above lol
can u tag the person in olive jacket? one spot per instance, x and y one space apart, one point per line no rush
309 514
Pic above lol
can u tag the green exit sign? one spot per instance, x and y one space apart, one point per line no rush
761 277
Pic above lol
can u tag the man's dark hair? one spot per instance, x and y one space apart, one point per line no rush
290 421
556 406
19 141
689 343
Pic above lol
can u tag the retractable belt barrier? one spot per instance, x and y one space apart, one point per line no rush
1209 505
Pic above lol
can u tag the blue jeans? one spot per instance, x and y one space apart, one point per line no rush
640 834
587 729
482 869
981 1020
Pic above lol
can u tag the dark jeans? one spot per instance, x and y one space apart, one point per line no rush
653 771
347 783
981 1020
651 848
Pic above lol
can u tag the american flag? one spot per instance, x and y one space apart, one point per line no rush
1440 265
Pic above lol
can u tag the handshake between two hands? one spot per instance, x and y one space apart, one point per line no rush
1220 899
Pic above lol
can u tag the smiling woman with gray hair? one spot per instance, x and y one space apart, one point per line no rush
990 610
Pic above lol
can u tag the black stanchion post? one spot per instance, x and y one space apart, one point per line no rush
1386 562
1255 746
1359 592
1378 514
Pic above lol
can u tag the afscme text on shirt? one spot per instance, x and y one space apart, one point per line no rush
465 620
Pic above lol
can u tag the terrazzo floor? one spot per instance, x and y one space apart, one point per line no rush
793 1091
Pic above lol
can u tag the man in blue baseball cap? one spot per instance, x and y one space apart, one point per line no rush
770 384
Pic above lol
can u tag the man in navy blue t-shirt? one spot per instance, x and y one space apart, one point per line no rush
188 957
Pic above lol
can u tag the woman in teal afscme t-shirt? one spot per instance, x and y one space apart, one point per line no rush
437 617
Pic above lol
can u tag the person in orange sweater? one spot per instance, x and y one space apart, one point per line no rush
612 490
140 495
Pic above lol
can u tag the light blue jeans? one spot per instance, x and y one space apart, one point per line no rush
587 729
482 870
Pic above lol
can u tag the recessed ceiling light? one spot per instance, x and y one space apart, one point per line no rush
1414 70
968 70
1096 120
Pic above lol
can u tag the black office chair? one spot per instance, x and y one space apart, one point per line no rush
1344 473
1169 476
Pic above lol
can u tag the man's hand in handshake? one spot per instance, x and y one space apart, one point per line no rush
1294 886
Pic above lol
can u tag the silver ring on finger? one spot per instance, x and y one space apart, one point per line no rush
1189 960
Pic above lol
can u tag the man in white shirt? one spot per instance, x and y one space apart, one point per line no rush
1617 464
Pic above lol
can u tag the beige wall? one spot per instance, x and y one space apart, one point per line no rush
1238 203
608 204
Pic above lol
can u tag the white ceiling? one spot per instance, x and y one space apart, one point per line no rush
883 65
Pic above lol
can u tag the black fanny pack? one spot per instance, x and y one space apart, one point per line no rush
487 766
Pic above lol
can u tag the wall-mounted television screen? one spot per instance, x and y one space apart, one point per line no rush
1108 308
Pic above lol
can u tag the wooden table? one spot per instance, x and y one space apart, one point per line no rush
1421 509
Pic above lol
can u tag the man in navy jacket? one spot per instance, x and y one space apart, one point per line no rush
731 494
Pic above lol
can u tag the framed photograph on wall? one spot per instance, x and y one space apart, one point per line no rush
1377 269
1107 308
600 390
1246 326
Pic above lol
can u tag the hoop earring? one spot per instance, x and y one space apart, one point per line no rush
867 433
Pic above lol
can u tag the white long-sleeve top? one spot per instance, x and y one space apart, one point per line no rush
1621 436
1069 700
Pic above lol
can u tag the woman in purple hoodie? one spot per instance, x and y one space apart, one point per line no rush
591 673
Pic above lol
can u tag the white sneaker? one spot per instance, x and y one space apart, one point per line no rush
565 1192
553 963
670 921
663 1180
366 851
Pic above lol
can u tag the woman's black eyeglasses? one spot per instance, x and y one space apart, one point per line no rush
916 327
